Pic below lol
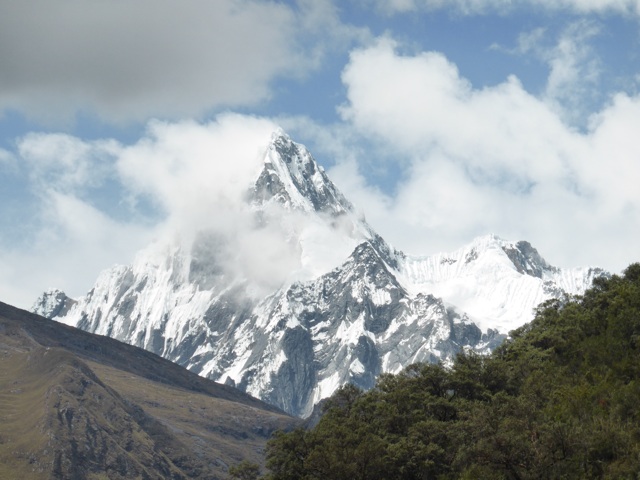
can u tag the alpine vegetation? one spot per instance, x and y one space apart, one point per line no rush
559 399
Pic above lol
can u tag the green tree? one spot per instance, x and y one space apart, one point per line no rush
245 470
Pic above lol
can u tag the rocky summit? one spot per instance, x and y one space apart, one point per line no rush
303 296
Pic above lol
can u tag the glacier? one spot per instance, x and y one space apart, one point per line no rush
344 306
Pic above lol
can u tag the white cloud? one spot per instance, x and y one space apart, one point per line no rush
197 175
495 160
421 103
599 6
68 240
131 60
65 163
631 7
571 61
574 68
611 162
71 245
200 175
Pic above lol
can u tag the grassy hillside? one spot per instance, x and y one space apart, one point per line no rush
559 400
76 405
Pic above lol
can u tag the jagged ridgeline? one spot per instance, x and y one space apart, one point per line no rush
558 400
337 304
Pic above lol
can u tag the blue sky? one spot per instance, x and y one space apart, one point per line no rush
441 120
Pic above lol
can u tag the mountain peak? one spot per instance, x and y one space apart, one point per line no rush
525 258
280 134
53 303
302 295
292 178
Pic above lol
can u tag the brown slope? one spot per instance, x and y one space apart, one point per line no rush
77 405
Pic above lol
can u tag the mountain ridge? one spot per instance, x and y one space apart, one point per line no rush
332 302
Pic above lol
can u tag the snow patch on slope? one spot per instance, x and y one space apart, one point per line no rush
314 299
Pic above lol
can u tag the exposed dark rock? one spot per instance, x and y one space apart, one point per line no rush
527 260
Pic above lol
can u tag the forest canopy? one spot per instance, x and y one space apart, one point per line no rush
559 399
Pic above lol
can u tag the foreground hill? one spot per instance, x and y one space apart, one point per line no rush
559 400
75 405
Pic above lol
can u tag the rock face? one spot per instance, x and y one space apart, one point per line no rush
55 303
350 308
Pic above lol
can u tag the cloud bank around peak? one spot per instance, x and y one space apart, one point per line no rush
176 180
182 184
196 173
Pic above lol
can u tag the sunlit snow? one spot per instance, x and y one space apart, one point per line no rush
199 308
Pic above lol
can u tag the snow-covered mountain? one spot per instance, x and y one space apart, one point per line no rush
323 301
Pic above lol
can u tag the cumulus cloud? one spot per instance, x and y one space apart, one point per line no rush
188 168
497 159
131 60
